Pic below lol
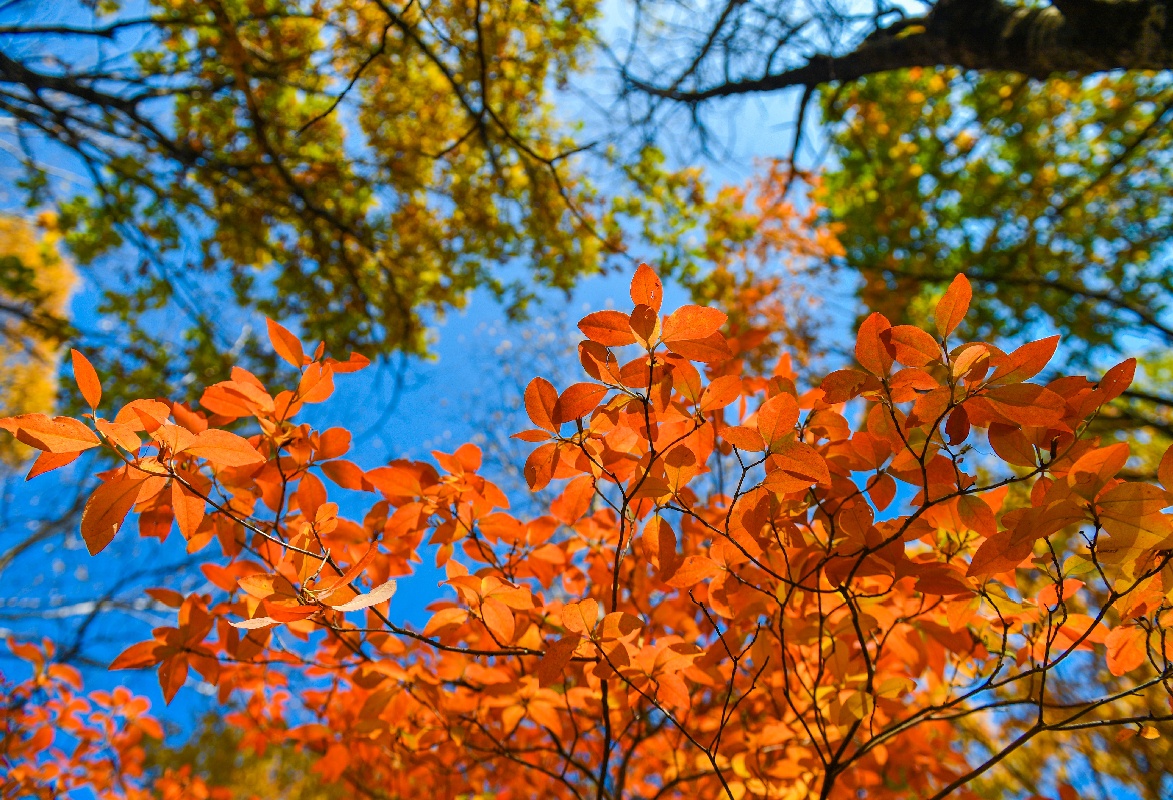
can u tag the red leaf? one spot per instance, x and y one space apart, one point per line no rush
953 307
87 379
882 491
285 344
577 401
646 288
610 328
692 322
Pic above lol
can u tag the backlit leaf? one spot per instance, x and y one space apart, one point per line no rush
953 307
609 328
87 379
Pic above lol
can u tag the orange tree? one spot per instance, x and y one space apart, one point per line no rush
744 587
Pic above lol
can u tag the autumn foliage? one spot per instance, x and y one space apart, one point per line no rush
741 588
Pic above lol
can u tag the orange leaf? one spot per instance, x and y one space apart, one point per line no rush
1117 379
87 379
953 307
285 344
444 619
843 385
692 323
1027 404
346 474
188 508
577 401
539 467
720 393
1096 467
106 510
352 364
1012 446
645 324
1129 510
498 619
224 448
709 350
646 288
777 417
693 570
554 662
316 384
575 500
47 462
1025 362
610 328
137 656
122 435
143 415
618 624
1126 649
1165 470
911 346
871 351
56 435
999 553
743 438
795 467
581 617
540 399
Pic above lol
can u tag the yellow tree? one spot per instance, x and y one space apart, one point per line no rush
35 286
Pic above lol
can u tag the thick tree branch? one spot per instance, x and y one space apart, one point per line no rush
1070 36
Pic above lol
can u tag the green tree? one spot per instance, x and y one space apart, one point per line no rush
358 166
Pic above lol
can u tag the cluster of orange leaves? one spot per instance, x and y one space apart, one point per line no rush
736 592
55 740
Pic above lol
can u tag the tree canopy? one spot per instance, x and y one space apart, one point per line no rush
879 512
736 592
